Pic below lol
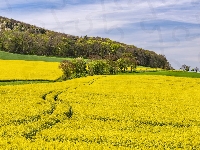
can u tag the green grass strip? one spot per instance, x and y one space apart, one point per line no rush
11 56
166 73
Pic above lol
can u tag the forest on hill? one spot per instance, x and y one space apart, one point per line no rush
22 38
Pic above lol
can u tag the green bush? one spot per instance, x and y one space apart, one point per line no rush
79 67
112 67
98 67
67 68
73 69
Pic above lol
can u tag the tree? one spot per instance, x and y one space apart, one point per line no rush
185 67
79 67
196 69
130 60
73 69
127 60
98 67
67 68
122 64
112 66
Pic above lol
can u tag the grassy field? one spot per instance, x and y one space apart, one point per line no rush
166 73
108 112
11 56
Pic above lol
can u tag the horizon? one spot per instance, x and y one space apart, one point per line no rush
165 27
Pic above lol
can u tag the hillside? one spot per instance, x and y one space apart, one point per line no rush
22 38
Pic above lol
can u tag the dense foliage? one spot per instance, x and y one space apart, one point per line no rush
22 38
185 67
74 68
78 67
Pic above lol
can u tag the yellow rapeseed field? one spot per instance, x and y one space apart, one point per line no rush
147 69
29 70
102 112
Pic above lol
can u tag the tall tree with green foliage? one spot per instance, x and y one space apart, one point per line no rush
130 60
79 67
185 67
196 69
98 67
67 68
73 69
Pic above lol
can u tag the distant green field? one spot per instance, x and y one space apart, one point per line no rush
11 56
21 82
167 73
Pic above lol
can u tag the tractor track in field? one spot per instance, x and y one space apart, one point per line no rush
52 121
54 98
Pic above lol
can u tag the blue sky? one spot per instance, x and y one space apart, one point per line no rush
167 27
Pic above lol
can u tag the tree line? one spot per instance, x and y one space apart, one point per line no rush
79 67
22 38
187 68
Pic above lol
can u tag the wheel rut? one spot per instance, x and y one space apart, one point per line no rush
54 118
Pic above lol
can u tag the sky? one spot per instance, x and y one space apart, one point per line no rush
168 27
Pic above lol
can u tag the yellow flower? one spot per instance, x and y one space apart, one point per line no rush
109 112
29 70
